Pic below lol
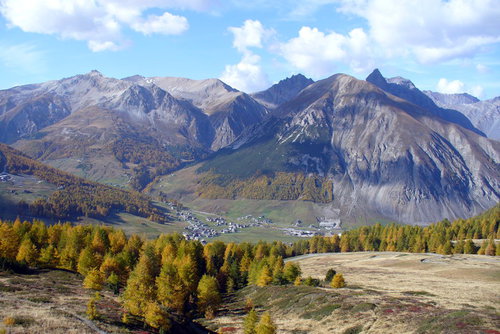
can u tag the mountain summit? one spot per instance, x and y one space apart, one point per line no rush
283 91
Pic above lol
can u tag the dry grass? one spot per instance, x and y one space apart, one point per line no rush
385 293
451 281
50 302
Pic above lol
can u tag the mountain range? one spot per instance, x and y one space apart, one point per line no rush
376 145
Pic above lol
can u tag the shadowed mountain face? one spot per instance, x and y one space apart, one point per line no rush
383 153
405 89
485 115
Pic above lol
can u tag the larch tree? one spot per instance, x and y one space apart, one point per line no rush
141 288
27 253
250 322
338 281
156 317
265 277
94 280
265 325
209 297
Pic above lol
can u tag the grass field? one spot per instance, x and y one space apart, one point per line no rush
385 293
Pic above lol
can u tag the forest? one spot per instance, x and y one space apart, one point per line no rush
278 186
75 196
170 277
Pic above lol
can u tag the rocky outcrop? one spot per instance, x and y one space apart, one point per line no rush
283 91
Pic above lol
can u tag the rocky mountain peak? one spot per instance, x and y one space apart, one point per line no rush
377 79
283 91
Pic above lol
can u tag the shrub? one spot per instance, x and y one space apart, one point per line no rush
329 275
338 281
309 281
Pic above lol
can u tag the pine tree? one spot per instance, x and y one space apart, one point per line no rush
27 253
338 281
291 271
141 289
94 280
329 275
469 247
209 297
9 242
49 256
265 276
490 249
156 317
171 291
86 261
92 312
250 322
265 325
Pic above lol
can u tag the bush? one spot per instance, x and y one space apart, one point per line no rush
329 275
338 281
311 281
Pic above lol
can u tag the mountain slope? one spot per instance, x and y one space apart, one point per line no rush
283 91
119 130
229 111
485 115
405 89
364 140
74 196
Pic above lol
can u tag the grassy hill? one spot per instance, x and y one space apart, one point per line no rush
385 293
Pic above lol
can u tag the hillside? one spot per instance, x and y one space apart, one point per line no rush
385 292
361 139
73 196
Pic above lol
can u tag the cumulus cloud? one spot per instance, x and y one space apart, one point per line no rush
318 53
456 87
431 31
251 34
450 87
165 24
99 22
247 75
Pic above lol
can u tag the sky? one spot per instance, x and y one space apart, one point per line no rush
448 46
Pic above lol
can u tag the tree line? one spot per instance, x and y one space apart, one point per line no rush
170 276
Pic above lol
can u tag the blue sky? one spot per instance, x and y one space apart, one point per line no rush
449 46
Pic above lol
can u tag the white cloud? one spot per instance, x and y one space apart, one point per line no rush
317 53
456 87
431 30
450 87
247 75
251 34
23 58
476 91
99 22
165 24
